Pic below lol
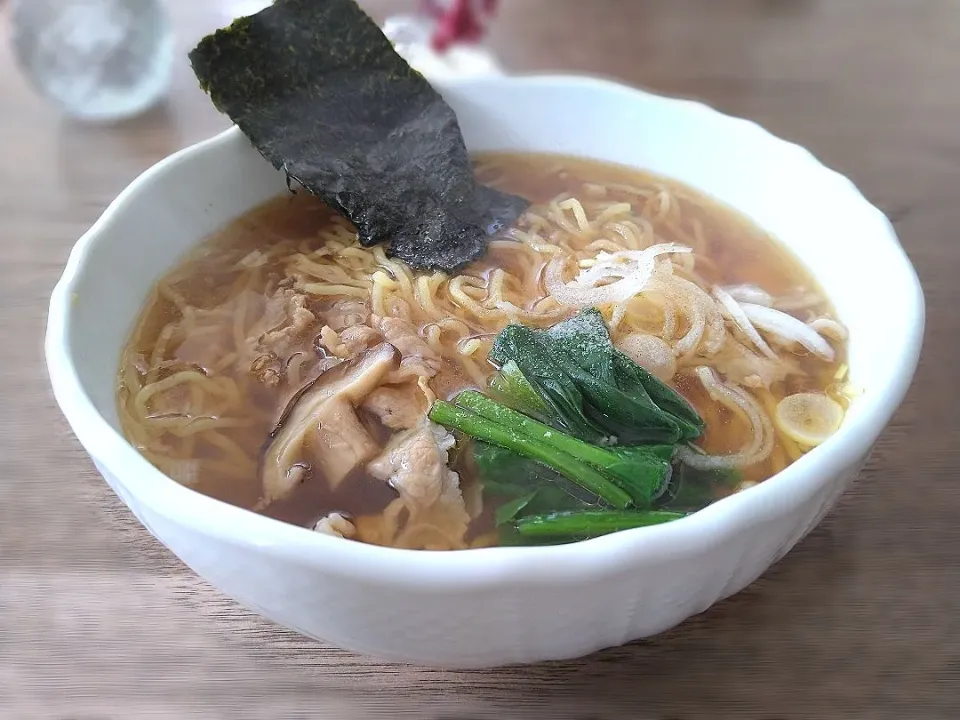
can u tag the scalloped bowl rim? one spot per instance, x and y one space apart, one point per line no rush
578 562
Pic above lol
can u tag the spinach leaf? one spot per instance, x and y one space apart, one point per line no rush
593 391
638 470
559 392
585 339
571 526
509 510
690 489
510 387
633 378
505 474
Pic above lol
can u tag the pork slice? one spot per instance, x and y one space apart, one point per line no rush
412 369
398 407
344 314
414 463
288 322
340 442
285 338
336 524
357 338
403 335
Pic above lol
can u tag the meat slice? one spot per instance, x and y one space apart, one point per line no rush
403 336
414 463
329 341
398 407
308 429
282 340
349 342
288 322
413 368
357 338
419 359
345 314
340 442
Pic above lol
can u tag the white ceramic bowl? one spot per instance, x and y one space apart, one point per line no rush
500 605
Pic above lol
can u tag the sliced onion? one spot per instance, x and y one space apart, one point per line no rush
788 328
634 268
829 327
698 322
751 294
716 330
801 301
742 321
651 353
573 295
761 440
669 318
619 313
625 263
742 366
809 418
703 318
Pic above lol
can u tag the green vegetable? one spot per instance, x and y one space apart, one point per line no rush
320 92
691 489
532 488
505 474
476 426
581 525
597 405
630 375
592 391
574 424
513 389
559 392
554 498
585 339
548 499
508 511
639 471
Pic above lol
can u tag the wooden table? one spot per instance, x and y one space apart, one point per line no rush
97 620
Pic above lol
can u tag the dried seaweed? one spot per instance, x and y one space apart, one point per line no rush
321 93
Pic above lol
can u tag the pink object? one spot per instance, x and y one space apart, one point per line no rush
459 21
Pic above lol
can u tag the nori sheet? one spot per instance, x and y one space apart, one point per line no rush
321 93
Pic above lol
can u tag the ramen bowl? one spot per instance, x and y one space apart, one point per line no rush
504 605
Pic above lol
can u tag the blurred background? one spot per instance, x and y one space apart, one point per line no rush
97 620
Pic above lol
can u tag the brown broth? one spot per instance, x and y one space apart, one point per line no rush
209 284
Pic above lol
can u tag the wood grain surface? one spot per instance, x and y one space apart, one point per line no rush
861 620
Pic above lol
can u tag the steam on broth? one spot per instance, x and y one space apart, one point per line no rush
683 355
